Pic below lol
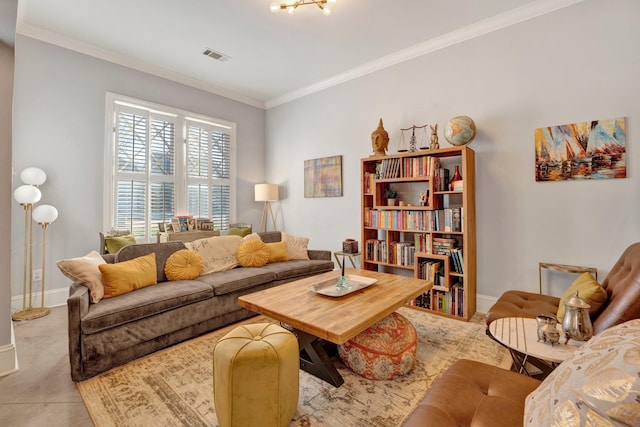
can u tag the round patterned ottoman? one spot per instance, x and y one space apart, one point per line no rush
384 351
256 376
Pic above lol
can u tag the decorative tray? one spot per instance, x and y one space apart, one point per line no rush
328 287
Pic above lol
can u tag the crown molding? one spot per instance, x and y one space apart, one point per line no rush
515 16
106 55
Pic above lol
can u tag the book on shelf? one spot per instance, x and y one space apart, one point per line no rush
451 302
376 250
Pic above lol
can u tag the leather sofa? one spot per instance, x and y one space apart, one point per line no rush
594 386
623 290
119 329
472 393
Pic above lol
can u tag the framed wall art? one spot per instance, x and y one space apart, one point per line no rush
586 150
323 177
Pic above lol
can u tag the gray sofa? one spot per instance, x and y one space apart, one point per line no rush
120 329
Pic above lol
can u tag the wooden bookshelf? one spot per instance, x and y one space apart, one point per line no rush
439 232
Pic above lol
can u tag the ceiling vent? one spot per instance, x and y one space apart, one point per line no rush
216 55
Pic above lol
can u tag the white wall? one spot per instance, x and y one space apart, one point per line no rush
59 126
577 64
7 349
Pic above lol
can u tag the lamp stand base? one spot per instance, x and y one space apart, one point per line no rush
32 313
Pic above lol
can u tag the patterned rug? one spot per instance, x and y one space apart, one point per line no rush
174 386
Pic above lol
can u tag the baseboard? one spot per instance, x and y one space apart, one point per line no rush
9 356
484 302
52 298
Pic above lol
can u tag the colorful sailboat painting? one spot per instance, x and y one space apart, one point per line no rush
586 150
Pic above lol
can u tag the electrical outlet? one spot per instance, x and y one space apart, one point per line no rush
36 275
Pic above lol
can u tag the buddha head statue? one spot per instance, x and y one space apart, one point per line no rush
379 140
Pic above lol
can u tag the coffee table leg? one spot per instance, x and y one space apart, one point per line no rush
315 359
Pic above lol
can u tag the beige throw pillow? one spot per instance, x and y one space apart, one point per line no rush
218 253
296 246
85 270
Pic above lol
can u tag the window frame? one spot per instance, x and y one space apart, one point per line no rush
181 118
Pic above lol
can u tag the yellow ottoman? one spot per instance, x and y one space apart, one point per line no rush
255 376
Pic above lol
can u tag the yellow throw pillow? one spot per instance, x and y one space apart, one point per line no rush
85 270
296 246
253 253
589 290
183 265
115 243
127 276
277 252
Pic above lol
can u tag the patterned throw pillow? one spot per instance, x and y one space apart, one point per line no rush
184 264
218 253
253 253
597 386
296 246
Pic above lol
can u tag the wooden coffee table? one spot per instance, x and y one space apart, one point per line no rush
318 319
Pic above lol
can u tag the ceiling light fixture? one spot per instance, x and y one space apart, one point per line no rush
290 6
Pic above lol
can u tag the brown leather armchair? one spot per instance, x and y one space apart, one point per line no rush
622 285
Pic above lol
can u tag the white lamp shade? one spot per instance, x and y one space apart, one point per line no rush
27 195
45 214
266 192
33 176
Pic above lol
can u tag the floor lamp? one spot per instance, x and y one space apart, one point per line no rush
28 195
266 193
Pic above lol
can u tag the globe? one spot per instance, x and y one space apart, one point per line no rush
460 130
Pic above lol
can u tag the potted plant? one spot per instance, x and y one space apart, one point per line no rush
391 194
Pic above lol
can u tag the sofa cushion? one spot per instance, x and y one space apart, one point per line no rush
253 253
162 250
184 264
218 253
238 279
522 304
472 393
85 270
597 385
296 246
298 268
143 303
277 252
127 276
589 290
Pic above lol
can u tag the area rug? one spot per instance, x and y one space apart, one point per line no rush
174 387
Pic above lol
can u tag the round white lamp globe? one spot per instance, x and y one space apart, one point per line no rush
33 176
27 194
45 214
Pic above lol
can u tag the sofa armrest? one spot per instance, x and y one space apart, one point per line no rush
319 254
77 309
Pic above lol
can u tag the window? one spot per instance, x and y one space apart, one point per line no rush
162 162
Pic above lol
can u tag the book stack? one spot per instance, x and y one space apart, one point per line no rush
376 250
389 168
451 302
402 253
430 270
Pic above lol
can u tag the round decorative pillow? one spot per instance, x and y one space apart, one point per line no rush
184 264
383 351
253 253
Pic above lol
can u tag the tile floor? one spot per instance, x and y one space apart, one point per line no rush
42 393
